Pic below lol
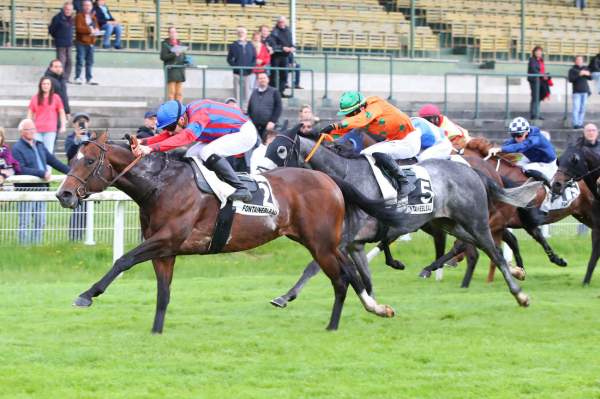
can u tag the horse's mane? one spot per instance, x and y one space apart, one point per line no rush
342 150
481 145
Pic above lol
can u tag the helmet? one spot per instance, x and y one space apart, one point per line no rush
429 110
350 101
169 113
518 126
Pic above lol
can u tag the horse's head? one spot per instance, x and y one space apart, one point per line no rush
283 151
479 144
571 166
90 172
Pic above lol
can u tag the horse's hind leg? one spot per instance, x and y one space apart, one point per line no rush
456 249
594 256
511 240
310 271
537 235
357 253
163 268
472 258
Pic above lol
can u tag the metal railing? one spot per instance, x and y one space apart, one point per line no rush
507 77
242 100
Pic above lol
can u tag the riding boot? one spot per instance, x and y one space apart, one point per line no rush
385 161
225 172
536 175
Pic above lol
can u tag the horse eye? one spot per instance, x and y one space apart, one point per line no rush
282 152
89 161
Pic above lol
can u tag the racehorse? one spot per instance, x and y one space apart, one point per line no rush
580 165
581 208
460 196
177 219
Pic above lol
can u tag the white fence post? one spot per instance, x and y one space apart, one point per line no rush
119 230
89 224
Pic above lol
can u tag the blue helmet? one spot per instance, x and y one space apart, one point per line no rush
169 113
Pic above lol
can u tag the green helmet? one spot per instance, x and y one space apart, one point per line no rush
350 101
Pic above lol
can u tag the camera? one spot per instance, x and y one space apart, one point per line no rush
82 125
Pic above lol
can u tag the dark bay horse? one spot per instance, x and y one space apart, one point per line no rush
177 219
580 165
460 196
581 208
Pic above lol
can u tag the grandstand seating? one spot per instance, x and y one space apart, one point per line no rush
349 26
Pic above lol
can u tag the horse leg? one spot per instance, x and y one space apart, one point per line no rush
357 253
537 235
149 249
472 257
310 271
511 240
594 256
457 249
389 258
163 268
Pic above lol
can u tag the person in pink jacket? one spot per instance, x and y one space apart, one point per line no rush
45 109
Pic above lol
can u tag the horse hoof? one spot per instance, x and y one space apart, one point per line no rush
389 311
559 261
82 302
518 273
397 265
451 263
425 273
279 302
523 299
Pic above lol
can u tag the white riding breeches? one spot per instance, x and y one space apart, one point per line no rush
227 145
440 150
406 148
547 169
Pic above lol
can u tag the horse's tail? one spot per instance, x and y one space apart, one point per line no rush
374 207
519 196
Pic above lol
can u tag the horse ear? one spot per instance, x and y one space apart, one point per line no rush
102 138
128 137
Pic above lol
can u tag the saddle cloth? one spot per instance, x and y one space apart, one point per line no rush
554 203
420 200
263 201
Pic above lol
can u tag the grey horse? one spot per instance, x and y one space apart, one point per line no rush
460 196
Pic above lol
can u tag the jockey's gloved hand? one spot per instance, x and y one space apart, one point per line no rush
329 128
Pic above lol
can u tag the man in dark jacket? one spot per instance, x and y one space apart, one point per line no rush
283 46
242 53
61 29
594 68
59 83
590 138
33 157
108 24
149 128
579 76
81 134
264 106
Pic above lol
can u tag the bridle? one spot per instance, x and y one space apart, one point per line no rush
295 148
101 163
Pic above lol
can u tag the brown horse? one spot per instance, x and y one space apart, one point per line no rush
581 208
177 219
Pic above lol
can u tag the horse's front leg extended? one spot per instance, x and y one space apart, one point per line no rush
149 249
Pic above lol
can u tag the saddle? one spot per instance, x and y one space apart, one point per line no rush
203 185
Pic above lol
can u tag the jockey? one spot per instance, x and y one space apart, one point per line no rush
434 143
452 130
219 130
380 118
539 157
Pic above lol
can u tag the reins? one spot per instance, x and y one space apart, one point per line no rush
317 145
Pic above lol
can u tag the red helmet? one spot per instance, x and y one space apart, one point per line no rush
429 110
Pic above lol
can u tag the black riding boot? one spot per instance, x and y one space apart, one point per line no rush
385 161
225 172
537 175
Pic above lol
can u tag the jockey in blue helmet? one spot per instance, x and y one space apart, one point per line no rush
219 130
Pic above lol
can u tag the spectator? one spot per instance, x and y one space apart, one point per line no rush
580 4
78 5
242 53
264 106
590 137
579 76
306 113
540 86
80 134
81 124
172 53
263 57
594 68
61 29
108 24
149 128
296 74
265 37
45 108
281 38
33 157
59 83
8 164
86 30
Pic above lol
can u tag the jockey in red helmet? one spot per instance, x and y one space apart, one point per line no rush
452 130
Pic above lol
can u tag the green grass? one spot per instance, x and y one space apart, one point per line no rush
223 340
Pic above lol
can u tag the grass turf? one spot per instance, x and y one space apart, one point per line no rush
223 340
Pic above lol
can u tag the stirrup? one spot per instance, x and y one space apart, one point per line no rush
241 194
